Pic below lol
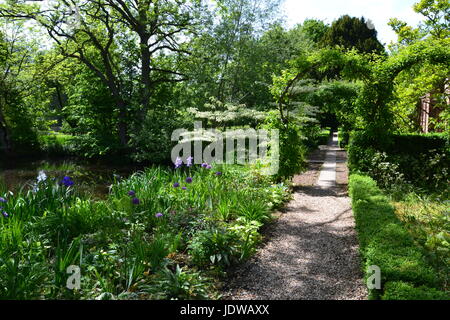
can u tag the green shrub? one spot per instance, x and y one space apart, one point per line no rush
402 162
248 235
314 136
20 123
224 245
405 291
255 210
151 140
393 250
417 143
179 284
292 148
216 246
323 137
384 241
344 137
96 145
56 144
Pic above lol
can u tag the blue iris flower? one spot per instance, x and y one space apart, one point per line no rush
189 162
178 163
67 181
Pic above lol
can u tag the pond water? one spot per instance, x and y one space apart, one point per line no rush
94 178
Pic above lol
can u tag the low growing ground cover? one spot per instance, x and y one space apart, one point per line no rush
428 221
161 234
407 272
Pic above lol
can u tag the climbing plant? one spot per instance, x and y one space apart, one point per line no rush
376 74
376 94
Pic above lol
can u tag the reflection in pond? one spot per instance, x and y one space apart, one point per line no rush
94 179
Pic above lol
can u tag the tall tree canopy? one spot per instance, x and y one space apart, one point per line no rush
353 33
101 33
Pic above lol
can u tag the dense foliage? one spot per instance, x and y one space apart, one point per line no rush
386 243
159 234
403 162
353 33
112 80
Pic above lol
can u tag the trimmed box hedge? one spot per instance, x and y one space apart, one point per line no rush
386 243
422 159
405 291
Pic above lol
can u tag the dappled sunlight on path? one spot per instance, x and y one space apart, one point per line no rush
312 250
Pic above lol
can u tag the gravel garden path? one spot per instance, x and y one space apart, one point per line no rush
312 250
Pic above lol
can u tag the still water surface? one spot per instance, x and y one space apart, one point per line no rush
94 178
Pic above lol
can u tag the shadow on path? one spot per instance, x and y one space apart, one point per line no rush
311 253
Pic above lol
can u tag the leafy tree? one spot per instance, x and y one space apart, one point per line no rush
315 30
219 114
436 23
437 14
406 34
17 130
102 35
353 33
372 111
229 61
377 93
422 78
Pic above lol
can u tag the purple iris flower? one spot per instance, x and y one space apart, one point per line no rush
5 214
67 181
178 163
184 188
136 201
131 193
189 180
204 165
208 167
176 185
189 161
159 215
218 173
3 200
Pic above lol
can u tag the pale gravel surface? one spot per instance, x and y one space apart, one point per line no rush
311 253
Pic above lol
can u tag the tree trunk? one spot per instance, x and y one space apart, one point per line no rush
145 76
122 124
5 141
